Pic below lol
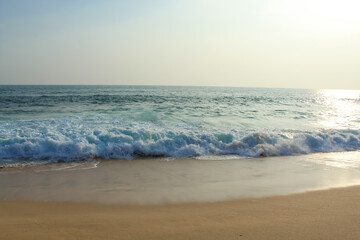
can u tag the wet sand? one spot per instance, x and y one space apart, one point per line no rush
184 199
330 214
159 181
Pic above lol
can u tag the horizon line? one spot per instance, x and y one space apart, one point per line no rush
159 85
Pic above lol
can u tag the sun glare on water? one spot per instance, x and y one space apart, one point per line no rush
342 108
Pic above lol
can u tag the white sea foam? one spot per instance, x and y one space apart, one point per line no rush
77 139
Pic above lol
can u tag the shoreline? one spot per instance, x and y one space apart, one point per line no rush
159 181
321 214
269 198
156 181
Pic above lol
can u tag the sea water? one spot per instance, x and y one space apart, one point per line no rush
72 123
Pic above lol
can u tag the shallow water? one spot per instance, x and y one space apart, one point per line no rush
173 180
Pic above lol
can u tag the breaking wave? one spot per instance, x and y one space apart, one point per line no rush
83 139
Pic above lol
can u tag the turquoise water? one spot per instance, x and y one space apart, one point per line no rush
68 123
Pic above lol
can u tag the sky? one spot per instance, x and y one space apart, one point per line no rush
258 43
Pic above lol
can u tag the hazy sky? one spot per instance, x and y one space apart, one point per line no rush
258 43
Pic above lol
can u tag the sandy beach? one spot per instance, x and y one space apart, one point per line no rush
328 214
183 199
163 181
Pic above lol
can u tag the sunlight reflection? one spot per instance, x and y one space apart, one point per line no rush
341 108
344 160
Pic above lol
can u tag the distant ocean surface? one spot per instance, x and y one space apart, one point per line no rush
71 123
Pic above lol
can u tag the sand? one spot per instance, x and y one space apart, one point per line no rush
158 181
327 214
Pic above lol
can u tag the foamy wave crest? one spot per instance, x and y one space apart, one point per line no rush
78 139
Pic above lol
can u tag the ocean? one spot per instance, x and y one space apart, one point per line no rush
47 124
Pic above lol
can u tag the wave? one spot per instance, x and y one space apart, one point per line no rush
70 140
